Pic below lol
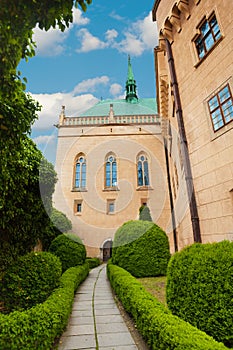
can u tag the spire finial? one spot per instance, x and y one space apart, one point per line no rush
62 115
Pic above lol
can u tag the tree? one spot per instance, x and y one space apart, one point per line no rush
17 20
60 220
144 213
23 216
59 224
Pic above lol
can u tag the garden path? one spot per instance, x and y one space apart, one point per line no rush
96 322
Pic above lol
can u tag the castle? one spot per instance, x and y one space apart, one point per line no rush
172 153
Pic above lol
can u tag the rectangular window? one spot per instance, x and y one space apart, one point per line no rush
110 206
209 34
221 108
78 206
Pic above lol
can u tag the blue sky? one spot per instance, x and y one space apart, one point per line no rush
89 62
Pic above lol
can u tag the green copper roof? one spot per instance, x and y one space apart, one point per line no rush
144 106
131 105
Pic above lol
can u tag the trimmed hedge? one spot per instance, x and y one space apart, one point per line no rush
142 248
93 262
30 280
144 213
38 327
157 325
200 288
70 249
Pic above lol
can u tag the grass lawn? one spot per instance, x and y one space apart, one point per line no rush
156 286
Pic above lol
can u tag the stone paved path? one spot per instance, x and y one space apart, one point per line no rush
95 322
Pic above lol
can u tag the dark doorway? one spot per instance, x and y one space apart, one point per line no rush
107 250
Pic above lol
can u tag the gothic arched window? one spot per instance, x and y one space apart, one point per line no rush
80 172
143 170
110 171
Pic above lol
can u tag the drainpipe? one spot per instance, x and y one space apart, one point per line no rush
184 147
170 196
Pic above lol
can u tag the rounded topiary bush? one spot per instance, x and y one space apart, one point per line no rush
30 280
142 248
70 249
200 288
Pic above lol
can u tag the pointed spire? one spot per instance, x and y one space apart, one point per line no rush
130 71
131 95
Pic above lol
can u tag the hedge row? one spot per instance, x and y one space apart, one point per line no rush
38 327
157 325
93 262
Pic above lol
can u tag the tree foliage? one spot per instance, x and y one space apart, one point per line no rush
18 18
60 221
23 218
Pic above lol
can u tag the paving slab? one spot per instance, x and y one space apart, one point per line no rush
119 347
111 328
75 342
79 329
112 339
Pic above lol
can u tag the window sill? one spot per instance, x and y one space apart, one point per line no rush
110 189
144 188
200 60
77 214
224 129
76 189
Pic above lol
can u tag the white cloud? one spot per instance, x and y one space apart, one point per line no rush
44 139
89 42
78 18
111 34
114 15
115 89
51 42
51 107
141 36
147 31
90 85
131 44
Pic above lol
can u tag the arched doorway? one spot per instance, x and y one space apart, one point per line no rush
107 250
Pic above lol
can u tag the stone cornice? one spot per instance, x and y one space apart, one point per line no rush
173 22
